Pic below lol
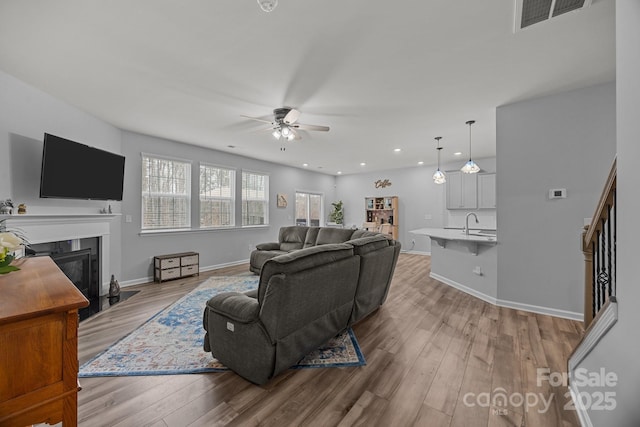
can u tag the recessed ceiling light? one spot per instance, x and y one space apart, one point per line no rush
421 163
319 167
397 150
363 164
231 146
458 153
305 164
339 172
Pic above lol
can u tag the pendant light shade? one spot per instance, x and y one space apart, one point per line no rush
470 166
439 176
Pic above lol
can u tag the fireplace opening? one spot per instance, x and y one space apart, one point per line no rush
76 265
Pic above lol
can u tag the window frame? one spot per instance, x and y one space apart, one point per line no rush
265 201
308 207
187 196
231 198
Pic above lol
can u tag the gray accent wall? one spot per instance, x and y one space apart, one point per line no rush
618 351
216 247
26 113
559 141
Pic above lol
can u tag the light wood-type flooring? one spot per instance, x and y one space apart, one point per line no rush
435 357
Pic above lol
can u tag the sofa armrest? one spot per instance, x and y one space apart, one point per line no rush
270 246
235 306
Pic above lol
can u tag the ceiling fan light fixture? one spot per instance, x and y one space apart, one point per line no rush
438 176
276 134
267 5
470 166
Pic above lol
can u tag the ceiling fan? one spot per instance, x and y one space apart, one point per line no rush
285 125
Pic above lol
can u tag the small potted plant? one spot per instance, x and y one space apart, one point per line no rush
336 217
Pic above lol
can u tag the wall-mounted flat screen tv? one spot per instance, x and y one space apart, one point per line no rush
71 170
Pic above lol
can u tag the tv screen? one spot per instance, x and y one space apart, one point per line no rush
71 170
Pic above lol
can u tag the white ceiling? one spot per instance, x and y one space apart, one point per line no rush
381 74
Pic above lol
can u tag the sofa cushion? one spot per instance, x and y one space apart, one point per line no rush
258 258
303 259
365 233
328 235
364 245
292 237
312 237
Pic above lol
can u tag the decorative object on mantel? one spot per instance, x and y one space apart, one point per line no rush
281 200
9 242
337 215
6 207
439 176
470 166
382 183
114 288
22 209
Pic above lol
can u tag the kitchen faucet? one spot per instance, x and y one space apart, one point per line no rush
466 222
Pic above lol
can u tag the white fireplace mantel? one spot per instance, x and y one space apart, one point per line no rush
46 228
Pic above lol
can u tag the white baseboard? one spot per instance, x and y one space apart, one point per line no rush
416 252
541 310
148 279
508 304
464 288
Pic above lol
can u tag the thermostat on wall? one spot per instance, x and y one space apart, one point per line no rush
558 193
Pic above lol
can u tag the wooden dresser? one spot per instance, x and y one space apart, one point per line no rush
38 345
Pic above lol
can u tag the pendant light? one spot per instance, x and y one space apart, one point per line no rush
470 166
439 176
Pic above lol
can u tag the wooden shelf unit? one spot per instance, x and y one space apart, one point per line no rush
383 210
39 342
174 266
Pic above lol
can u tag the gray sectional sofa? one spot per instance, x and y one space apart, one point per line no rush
304 298
299 237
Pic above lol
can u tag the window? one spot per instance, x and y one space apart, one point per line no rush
166 193
308 208
255 198
217 196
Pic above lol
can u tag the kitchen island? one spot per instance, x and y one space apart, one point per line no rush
466 262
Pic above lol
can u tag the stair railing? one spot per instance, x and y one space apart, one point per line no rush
599 248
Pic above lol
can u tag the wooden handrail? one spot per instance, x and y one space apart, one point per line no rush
590 244
606 199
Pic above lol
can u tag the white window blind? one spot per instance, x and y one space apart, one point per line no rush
166 193
217 196
255 199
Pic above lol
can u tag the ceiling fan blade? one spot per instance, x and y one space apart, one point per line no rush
311 127
291 116
256 119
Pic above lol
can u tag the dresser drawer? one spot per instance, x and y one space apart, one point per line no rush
188 270
168 263
169 273
189 260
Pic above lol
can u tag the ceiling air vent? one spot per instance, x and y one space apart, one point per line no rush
529 12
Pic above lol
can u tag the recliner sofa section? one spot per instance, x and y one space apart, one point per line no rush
304 298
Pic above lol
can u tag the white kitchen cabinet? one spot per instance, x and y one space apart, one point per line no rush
462 190
487 191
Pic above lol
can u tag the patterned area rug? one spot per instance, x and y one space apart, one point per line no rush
170 343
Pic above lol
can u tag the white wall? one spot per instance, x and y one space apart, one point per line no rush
417 195
26 113
618 351
216 247
560 141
